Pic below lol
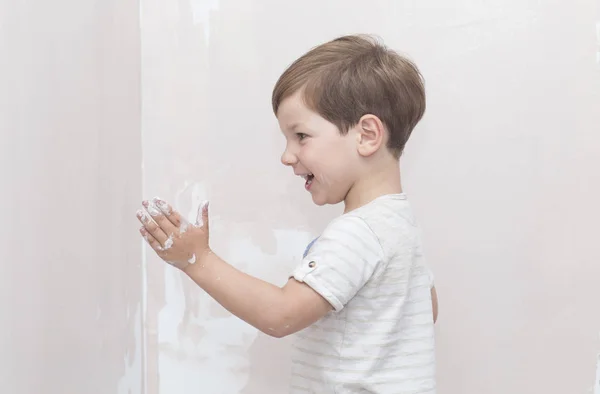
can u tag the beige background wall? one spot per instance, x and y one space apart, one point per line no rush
106 102
70 180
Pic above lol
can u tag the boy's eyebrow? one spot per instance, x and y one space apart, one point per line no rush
297 125
292 127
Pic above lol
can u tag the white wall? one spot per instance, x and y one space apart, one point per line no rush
70 181
503 172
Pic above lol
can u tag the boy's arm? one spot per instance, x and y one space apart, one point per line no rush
273 310
434 303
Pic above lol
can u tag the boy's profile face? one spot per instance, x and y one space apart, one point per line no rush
315 149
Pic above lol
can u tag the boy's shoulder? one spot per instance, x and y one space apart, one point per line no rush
390 210
386 220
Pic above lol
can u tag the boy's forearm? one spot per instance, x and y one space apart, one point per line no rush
255 301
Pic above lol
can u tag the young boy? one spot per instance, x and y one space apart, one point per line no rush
362 300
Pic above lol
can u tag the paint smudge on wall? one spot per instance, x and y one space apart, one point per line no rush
597 381
598 41
202 347
131 381
189 198
202 10
197 351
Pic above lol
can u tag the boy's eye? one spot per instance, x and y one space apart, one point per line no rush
301 136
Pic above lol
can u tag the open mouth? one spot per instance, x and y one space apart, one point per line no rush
309 178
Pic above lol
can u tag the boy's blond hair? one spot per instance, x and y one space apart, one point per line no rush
351 76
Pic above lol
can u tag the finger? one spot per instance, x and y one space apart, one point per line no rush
171 214
205 215
202 215
151 226
154 244
163 222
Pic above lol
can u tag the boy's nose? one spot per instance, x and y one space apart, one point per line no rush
288 158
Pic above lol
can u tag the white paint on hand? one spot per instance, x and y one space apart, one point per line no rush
192 259
199 215
153 210
169 242
143 216
184 226
163 206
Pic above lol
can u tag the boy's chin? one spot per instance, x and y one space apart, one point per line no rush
319 201
323 200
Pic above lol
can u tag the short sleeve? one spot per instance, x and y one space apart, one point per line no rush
340 262
430 277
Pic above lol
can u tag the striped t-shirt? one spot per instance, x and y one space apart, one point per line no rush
369 265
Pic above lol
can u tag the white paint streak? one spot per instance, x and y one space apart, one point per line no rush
130 382
189 198
202 10
192 259
195 351
597 381
144 319
198 350
598 44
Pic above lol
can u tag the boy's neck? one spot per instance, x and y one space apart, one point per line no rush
379 183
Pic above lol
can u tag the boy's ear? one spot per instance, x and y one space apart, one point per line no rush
370 134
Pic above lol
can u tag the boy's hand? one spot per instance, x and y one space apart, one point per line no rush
172 237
